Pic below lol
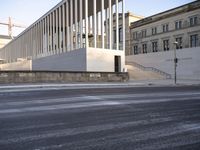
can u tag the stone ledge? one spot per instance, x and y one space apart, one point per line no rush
60 77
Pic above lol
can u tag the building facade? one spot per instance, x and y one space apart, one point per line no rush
129 18
176 28
70 37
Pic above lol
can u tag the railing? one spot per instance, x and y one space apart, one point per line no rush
166 75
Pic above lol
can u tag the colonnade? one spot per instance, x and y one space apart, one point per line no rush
70 25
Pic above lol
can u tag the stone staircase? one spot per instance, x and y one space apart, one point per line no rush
140 72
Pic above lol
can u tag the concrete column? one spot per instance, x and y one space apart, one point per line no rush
60 32
56 34
63 12
48 39
45 36
110 24
123 20
81 23
106 27
42 31
76 24
94 24
36 40
53 32
117 24
102 23
67 24
86 23
89 26
71 26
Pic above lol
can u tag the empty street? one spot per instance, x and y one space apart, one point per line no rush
123 118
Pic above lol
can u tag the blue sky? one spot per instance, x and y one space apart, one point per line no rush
27 11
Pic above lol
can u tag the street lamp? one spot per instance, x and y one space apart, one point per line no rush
175 60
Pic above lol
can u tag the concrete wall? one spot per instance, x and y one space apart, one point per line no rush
102 60
90 60
21 65
188 65
70 61
59 77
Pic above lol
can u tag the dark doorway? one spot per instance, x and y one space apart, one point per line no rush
117 63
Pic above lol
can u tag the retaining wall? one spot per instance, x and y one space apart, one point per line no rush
60 77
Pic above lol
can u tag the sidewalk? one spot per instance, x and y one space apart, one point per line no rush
133 83
167 82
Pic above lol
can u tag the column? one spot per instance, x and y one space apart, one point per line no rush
53 34
50 28
102 23
86 23
123 24
48 38
76 25
67 24
94 25
110 24
64 9
60 30
71 26
106 27
56 34
117 24
81 23
41 37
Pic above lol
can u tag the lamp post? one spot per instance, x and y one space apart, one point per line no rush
175 61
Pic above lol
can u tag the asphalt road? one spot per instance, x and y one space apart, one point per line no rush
131 118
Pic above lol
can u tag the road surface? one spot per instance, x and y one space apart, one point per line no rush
127 118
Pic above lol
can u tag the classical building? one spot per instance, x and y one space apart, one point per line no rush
71 37
176 28
4 39
129 18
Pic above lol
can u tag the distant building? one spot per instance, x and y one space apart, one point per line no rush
158 32
129 18
4 39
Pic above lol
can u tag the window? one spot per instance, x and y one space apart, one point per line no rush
194 40
144 33
178 25
193 21
114 36
154 31
165 28
135 35
135 49
154 46
120 35
144 48
179 40
165 45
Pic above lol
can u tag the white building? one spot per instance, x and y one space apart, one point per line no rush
60 40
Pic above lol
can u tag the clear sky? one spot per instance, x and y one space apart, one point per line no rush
27 11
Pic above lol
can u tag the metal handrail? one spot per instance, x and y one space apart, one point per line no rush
168 76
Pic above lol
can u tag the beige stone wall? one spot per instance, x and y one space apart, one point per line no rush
60 77
185 32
